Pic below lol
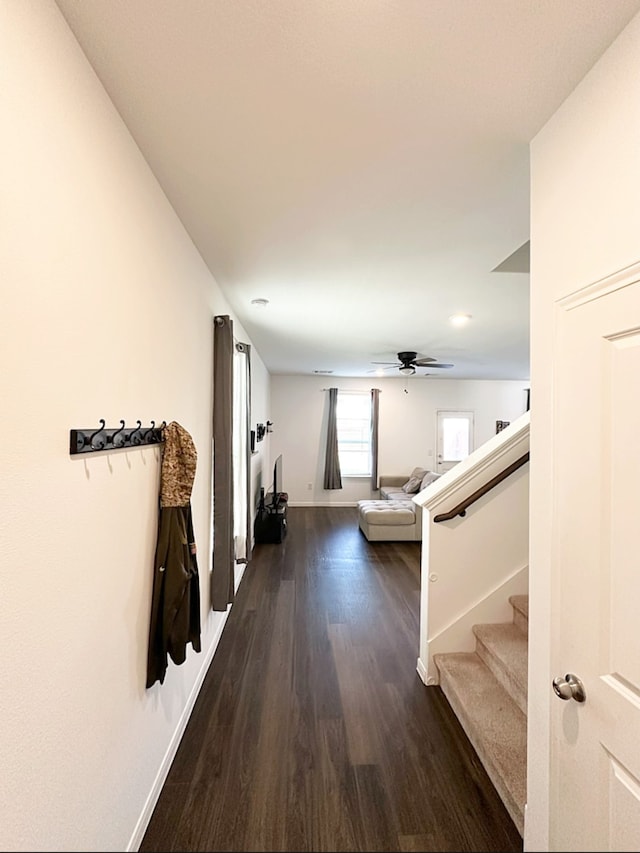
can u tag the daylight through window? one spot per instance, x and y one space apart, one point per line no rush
354 433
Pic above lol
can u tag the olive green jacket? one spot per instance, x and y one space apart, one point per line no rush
175 605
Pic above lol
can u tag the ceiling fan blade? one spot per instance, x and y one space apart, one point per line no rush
389 367
435 364
408 359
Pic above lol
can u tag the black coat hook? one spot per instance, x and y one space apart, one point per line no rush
114 438
118 439
136 436
100 444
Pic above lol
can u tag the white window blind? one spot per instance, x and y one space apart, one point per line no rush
354 433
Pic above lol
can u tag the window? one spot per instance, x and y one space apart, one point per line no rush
455 438
240 440
354 433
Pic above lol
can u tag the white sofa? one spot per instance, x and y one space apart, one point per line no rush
395 517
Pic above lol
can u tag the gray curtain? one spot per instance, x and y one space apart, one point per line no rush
375 417
222 576
332 476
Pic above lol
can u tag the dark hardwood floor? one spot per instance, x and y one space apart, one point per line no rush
313 730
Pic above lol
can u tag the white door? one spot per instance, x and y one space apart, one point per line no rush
595 553
455 438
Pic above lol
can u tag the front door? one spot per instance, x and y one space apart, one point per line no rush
455 438
595 616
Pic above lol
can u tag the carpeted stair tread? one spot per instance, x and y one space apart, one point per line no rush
504 649
493 722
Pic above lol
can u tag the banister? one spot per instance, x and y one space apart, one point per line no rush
462 507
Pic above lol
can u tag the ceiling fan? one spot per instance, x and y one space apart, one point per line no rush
408 361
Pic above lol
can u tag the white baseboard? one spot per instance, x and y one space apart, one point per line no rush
165 766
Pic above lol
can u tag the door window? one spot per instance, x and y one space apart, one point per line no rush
455 438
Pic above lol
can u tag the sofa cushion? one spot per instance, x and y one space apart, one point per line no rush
429 477
412 486
387 491
394 494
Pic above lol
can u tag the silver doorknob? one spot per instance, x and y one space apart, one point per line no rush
569 687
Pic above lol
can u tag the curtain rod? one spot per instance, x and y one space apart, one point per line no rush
353 390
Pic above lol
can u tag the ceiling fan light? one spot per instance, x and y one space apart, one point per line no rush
407 370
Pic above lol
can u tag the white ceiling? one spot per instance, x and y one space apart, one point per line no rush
361 164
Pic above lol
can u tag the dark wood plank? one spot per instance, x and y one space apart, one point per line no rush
313 730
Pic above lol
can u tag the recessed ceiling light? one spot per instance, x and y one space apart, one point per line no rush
327 372
260 302
459 319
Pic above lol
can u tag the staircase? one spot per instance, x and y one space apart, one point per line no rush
487 689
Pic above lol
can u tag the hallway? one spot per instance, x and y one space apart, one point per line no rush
313 730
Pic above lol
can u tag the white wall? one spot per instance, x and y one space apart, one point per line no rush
107 313
407 425
585 222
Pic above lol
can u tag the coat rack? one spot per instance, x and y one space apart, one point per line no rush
114 438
